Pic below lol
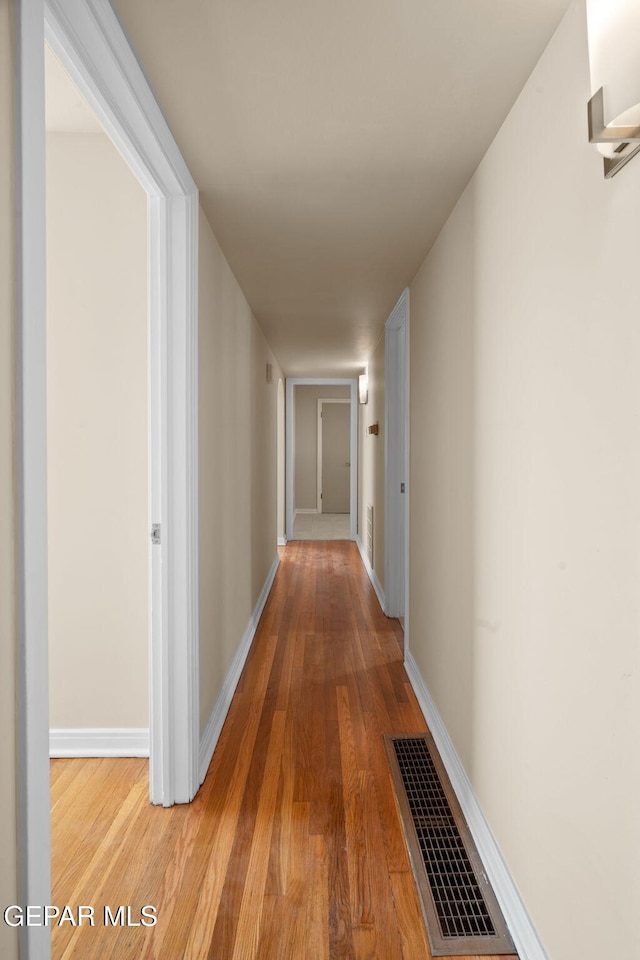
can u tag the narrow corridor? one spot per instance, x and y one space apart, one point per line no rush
293 848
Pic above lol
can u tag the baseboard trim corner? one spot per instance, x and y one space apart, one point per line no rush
213 728
521 928
372 574
67 742
282 541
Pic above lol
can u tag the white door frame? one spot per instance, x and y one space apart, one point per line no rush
396 462
322 400
280 446
88 39
290 446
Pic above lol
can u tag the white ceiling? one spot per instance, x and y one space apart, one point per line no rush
330 140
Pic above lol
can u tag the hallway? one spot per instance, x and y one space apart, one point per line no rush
293 848
321 526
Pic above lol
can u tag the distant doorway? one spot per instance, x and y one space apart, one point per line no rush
334 456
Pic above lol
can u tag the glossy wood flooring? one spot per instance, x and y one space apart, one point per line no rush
293 849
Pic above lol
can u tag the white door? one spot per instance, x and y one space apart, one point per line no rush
335 474
396 460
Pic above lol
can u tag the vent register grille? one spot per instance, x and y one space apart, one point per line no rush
461 912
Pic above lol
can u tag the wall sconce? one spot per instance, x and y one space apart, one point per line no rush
363 388
613 28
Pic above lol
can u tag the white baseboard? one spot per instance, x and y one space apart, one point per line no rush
282 541
519 922
211 732
372 574
99 742
305 510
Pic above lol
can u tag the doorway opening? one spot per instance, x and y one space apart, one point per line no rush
333 484
396 559
321 495
97 435
281 469
90 44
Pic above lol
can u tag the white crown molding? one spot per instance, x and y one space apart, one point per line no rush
99 742
372 574
518 921
220 709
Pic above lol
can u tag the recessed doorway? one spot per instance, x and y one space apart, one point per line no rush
97 435
321 494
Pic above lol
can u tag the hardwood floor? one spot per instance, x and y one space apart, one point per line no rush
293 848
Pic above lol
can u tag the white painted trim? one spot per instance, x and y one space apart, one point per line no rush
305 510
282 541
320 402
80 31
99 742
372 574
519 922
407 466
292 382
90 43
34 836
218 715
88 39
396 562
281 469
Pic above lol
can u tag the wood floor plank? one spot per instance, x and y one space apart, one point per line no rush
249 918
359 875
95 874
411 929
293 849
318 901
85 811
223 839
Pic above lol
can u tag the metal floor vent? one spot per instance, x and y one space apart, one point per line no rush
460 909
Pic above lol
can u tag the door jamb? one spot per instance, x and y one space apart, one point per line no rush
352 383
322 400
90 42
280 446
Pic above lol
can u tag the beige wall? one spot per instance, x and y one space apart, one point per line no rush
97 435
371 460
238 459
306 441
8 637
525 505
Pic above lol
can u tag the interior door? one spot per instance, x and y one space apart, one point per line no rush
336 466
396 460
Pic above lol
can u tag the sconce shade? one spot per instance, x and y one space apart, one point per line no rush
363 388
614 60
